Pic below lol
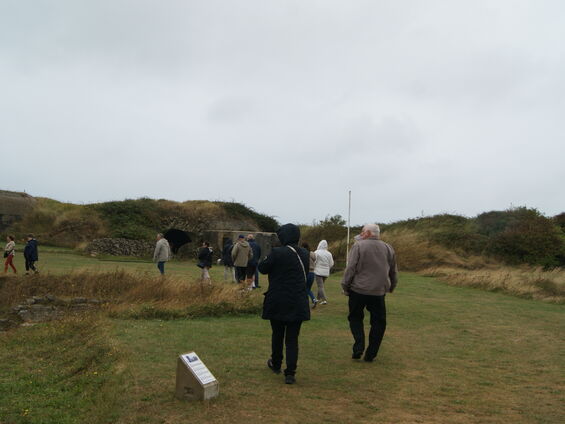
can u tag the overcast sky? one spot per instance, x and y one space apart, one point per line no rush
416 106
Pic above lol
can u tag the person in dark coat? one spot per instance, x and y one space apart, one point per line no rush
286 300
205 260
30 254
252 271
228 261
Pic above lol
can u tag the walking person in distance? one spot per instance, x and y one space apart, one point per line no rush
9 252
323 265
205 256
162 253
31 255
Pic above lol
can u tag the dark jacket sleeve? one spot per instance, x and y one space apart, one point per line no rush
266 265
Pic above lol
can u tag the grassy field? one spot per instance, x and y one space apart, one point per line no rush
450 355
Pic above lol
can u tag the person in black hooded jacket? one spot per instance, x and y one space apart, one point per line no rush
286 300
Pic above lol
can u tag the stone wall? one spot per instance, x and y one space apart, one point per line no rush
46 308
120 247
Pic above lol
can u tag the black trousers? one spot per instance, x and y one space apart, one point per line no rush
376 307
240 273
287 333
30 265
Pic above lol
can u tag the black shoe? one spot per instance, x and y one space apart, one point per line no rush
272 367
289 379
368 359
356 356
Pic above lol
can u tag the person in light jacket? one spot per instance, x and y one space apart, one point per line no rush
286 301
241 254
324 263
162 253
370 274
9 252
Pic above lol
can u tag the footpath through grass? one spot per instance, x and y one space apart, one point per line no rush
450 355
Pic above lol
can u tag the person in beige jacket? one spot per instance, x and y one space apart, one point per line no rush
370 274
162 253
241 254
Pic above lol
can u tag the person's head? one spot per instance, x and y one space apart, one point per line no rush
30 236
370 230
288 234
250 237
305 246
10 238
160 236
240 238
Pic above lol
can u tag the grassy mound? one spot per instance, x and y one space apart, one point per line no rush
68 225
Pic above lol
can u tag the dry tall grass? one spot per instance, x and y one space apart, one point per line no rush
527 282
414 253
136 295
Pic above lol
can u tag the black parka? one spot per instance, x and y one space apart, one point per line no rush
205 257
287 298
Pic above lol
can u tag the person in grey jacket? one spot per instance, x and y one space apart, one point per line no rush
370 274
162 252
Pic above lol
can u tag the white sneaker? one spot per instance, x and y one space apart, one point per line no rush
324 302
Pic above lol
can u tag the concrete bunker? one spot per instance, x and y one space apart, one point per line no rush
177 238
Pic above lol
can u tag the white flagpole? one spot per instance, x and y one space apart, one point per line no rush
348 229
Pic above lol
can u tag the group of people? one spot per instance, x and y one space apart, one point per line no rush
30 254
240 260
370 274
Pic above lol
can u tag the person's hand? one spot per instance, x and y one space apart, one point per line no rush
345 293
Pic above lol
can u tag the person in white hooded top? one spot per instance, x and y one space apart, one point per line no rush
324 262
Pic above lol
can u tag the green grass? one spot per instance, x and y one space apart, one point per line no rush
450 354
58 260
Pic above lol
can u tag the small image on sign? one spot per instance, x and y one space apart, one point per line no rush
191 358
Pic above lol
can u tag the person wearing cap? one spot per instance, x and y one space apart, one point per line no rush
241 254
370 274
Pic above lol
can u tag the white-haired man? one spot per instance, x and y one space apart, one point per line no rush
370 274
162 253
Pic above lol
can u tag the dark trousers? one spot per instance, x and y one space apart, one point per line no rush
309 281
287 333
30 265
376 307
240 273
161 267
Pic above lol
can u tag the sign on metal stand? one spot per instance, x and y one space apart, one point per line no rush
194 380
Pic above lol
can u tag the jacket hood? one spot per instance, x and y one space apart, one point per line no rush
323 245
288 234
243 243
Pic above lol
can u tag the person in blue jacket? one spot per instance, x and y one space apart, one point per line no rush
30 254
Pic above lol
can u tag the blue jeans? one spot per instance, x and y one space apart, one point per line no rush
309 281
161 266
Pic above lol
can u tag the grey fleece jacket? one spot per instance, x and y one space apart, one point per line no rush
371 269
